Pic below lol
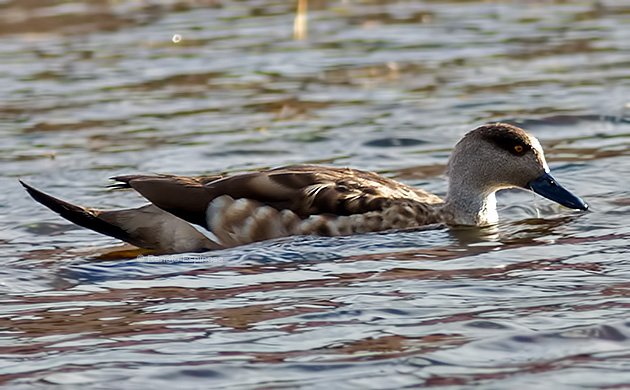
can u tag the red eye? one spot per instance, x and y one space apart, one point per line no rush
519 148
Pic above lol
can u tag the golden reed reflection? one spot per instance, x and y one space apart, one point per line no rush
300 24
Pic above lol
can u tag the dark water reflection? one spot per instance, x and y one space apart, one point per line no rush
96 88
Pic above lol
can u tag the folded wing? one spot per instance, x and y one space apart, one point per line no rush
305 190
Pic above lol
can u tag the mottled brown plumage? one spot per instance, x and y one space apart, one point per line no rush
316 200
292 200
304 189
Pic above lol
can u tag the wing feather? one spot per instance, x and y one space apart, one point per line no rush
304 189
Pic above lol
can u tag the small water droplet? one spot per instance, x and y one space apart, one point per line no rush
177 38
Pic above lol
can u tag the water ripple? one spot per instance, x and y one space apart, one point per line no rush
95 89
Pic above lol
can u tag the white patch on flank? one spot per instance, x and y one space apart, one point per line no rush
240 205
215 210
206 233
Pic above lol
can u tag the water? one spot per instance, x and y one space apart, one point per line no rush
94 89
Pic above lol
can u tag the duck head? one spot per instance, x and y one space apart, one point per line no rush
494 157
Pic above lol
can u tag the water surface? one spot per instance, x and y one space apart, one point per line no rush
94 89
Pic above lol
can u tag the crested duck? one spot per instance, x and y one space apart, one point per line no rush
317 200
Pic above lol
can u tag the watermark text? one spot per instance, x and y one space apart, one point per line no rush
194 259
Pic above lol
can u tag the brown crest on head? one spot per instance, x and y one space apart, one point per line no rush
507 137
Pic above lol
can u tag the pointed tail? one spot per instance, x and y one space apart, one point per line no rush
146 227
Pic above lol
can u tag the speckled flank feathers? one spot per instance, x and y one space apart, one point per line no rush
303 199
241 221
314 200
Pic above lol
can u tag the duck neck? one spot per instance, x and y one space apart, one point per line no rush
470 206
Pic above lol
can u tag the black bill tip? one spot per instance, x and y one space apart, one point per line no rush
547 186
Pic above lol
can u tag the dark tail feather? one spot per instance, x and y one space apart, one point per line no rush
146 227
80 215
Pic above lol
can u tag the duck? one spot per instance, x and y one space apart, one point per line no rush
205 213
